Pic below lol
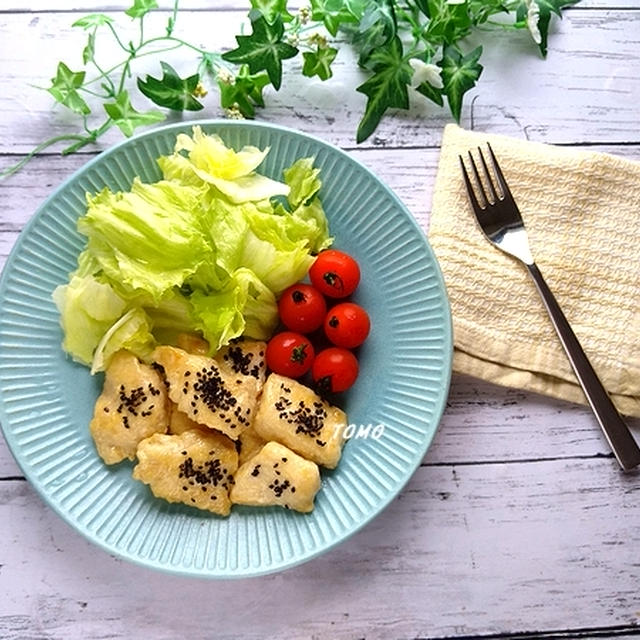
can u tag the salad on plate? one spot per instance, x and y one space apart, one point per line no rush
177 296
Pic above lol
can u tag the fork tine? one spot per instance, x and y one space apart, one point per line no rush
506 192
476 175
487 174
472 196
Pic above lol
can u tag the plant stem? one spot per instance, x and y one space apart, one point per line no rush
41 147
117 37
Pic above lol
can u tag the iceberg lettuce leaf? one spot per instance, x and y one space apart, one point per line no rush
302 178
148 238
131 332
209 154
244 307
87 309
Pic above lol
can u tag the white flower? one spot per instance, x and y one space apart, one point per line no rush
533 15
225 76
318 39
293 39
425 72
233 112
304 15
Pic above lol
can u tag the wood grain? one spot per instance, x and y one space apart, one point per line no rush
517 524
465 550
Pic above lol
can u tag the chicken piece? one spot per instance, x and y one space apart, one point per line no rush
206 393
245 359
180 422
297 417
132 406
195 468
277 476
248 444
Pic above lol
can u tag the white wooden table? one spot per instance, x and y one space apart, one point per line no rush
518 523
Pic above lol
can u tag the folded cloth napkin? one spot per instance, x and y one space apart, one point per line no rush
582 213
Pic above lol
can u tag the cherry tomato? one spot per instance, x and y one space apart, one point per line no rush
334 369
289 354
302 308
335 273
347 325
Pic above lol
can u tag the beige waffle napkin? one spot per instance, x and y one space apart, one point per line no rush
582 213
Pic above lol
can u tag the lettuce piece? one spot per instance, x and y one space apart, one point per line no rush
171 317
177 168
269 251
309 218
244 307
308 223
231 172
246 188
87 309
148 238
260 306
275 247
302 178
209 154
227 226
131 332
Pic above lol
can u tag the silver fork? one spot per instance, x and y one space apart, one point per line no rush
499 218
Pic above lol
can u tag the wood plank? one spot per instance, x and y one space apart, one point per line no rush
479 549
576 77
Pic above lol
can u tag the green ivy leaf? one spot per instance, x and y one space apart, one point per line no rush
318 62
333 13
92 20
141 8
64 88
90 49
246 91
431 92
171 91
459 74
171 23
376 28
386 88
272 8
264 49
126 118
481 10
449 22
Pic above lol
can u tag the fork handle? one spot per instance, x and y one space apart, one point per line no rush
615 429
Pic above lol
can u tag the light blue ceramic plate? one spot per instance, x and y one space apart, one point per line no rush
46 401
